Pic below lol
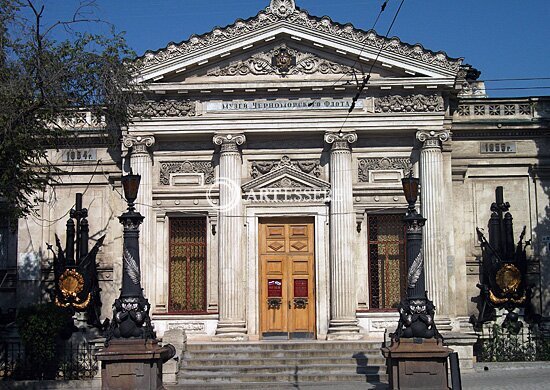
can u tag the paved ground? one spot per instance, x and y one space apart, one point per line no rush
499 376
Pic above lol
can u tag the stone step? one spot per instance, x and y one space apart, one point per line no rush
288 378
190 385
286 345
286 361
306 353
280 369
283 363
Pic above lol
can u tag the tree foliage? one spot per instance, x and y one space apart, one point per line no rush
44 83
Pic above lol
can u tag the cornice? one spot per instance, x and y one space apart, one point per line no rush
294 16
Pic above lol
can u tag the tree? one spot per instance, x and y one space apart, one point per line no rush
44 83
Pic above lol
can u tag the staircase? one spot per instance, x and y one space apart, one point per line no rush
282 364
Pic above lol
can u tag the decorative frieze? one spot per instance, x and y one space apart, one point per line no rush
164 108
285 10
281 61
409 103
310 167
367 165
170 167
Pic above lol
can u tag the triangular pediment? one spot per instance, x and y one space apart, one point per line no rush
294 24
285 175
281 60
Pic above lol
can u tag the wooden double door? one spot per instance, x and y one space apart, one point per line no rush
287 292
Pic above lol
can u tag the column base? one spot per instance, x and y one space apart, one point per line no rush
443 323
343 330
231 331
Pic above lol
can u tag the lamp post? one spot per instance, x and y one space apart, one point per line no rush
416 310
416 346
131 310
132 358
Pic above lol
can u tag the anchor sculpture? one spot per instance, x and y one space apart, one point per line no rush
503 271
75 271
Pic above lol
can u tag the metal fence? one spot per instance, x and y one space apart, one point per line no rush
72 362
498 344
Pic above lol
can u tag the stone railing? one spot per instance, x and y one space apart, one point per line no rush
81 120
502 109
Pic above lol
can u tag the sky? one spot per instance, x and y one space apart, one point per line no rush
502 38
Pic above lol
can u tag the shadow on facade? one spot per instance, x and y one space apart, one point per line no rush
540 174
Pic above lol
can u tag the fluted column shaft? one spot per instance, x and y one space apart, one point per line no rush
142 164
342 276
232 311
433 205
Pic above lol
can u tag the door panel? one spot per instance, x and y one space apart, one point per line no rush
287 294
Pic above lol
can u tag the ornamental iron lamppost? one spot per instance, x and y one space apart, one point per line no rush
416 311
131 310
416 346
132 358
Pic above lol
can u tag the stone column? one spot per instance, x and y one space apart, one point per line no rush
343 323
433 206
142 164
232 310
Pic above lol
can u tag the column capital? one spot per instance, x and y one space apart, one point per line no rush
229 142
138 143
433 138
340 140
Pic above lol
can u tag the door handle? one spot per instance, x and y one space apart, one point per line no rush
289 305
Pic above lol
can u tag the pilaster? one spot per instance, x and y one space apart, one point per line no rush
141 163
433 209
232 309
343 322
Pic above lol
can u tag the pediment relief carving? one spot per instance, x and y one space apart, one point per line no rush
262 167
281 61
285 175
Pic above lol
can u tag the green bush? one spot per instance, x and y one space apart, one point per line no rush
40 328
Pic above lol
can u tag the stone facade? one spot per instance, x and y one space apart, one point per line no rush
263 105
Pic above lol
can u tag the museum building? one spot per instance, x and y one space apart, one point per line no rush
271 189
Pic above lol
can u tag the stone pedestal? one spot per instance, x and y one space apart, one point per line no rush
417 364
133 364
178 339
463 343
343 321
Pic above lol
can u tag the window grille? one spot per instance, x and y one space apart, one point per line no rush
187 283
387 260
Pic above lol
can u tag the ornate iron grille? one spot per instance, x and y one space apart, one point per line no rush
387 260
187 288
71 362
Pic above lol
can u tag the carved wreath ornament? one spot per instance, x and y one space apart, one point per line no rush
282 8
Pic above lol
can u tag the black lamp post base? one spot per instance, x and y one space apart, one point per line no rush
416 320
